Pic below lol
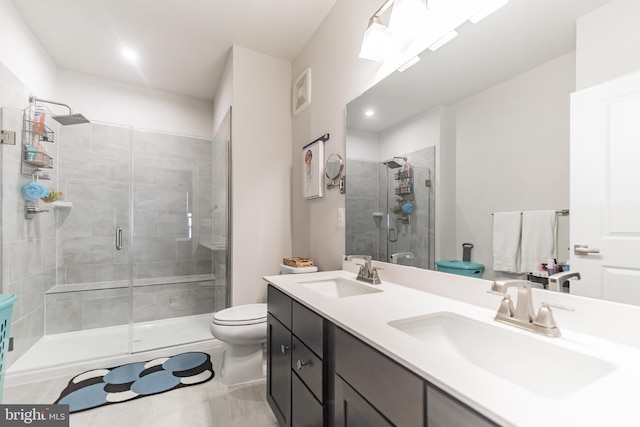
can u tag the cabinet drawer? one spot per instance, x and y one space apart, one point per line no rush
308 366
279 305
393 390
308 327
306 410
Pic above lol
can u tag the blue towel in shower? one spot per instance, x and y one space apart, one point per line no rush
34 191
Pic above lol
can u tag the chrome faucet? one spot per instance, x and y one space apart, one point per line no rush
556 281
367 273
395 257
523 315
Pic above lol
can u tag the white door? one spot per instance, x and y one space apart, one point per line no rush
605 189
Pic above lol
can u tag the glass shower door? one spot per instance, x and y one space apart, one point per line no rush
173 249
92 297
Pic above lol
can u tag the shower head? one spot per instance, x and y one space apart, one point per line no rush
392 164
63 119
71 119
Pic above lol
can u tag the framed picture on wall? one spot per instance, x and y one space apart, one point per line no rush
312 176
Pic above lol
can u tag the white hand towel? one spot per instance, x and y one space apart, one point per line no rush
537 239
506 241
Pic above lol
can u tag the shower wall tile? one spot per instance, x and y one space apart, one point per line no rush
161 269
75 138
63 316
144 308
26 331
75 222
110 138
184 303
24 259
102 312
150 249
32 291
88 250
85 165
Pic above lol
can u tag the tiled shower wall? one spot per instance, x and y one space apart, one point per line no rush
28 247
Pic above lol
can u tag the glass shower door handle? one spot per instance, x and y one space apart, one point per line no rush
119 238
392 235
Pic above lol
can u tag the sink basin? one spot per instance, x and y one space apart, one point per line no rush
529 362
339 287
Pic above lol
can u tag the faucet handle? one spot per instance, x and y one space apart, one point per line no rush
544 318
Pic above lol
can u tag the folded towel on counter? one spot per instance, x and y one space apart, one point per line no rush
34 191
537 239
506 241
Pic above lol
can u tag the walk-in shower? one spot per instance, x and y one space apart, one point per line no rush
134 258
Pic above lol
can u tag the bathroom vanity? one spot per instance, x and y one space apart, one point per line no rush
428 353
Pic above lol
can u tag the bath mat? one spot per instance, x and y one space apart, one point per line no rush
99 387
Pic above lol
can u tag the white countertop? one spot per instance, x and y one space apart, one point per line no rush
610 401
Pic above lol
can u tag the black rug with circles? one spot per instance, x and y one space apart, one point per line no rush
99 387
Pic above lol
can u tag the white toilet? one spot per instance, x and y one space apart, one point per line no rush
243 329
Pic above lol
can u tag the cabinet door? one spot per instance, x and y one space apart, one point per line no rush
352 410
306 411
389 387
279 370
445 411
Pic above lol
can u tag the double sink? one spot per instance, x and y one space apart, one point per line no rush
535 363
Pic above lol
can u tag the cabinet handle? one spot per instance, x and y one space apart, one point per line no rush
284 348
300 364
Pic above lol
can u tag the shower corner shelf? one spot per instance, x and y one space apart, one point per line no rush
60 204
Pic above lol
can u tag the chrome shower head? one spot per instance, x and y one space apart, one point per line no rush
71 119
392 164
63 119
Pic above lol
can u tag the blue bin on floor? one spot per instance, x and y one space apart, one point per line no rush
462 268
6 308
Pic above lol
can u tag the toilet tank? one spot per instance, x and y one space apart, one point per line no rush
462 268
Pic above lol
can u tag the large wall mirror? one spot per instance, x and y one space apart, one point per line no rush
483 124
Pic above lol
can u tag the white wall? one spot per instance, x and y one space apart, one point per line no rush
512 152
363 145
607 43
338 76
120 103
21 53
413 134
261 171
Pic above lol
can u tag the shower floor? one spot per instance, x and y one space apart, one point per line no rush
53 353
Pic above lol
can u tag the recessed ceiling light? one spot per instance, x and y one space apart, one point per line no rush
130 54
369 113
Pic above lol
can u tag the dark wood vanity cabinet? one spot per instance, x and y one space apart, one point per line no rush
320 375
296 389
371 389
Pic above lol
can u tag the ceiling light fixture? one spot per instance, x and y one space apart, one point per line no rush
369 113
409 63
415 25
444 40
407 17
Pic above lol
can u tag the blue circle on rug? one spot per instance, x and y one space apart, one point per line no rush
184 361
155 382
85 398
125 373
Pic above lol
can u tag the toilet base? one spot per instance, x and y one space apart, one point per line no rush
241 363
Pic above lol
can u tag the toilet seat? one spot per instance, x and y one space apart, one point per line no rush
249 314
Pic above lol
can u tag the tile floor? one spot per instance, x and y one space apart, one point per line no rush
204 405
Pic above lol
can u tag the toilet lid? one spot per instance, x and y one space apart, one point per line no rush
242 314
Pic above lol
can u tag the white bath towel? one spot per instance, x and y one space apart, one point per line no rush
537 239
506 241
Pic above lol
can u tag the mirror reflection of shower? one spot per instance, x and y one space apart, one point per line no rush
390 210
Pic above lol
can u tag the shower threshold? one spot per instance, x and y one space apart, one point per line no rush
71 353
